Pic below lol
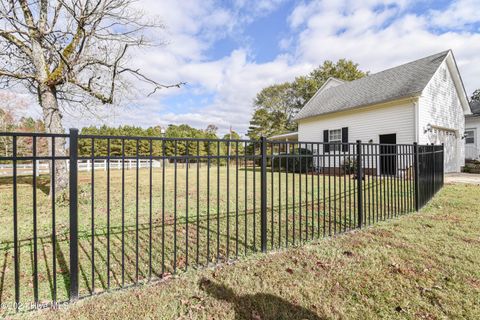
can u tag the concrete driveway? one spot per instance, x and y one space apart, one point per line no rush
470 178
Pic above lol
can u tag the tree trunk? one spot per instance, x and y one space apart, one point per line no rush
53 124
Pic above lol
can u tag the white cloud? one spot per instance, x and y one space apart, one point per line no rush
234 80
379 38
377 34
458 14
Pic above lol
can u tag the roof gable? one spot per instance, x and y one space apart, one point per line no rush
330 83
457 80
407 80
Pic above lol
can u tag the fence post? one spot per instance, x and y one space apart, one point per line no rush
359 184
263 200
73 182
416 164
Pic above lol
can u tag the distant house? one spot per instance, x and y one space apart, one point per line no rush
472 132
422 101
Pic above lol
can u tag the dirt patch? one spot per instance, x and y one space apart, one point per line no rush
470 178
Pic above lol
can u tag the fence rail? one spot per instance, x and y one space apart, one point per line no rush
187 202
6 170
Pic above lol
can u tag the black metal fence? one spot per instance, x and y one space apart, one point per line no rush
203 202
430 172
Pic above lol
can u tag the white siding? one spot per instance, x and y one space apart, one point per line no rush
439 106
473 151
363 124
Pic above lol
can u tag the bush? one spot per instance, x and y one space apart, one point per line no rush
349 166
296 164
279 161
303 163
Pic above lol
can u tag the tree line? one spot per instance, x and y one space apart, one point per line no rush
171 146
9 122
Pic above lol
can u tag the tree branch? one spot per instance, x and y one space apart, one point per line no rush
19 44
88 89
27 13
14 75
42 22
157 86
76 47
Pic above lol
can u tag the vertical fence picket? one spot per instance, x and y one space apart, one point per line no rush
92 218
416 164
16 249
108 213
359 185
73 183
263 200
34 202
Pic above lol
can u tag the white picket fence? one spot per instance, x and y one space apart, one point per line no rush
87 165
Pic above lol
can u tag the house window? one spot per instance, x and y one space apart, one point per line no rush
335 138
469 136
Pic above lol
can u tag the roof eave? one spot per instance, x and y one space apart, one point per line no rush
405 98
285 135
464 96
473 115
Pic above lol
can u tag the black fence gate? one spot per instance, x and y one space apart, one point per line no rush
140 208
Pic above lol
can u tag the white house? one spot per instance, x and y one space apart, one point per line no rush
422 101
472 133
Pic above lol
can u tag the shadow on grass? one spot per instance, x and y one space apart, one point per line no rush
256 306
2 276
117 260
43 182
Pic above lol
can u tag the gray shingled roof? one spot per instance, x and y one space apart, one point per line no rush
475 106
407 80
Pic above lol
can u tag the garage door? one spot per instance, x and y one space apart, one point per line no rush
449 138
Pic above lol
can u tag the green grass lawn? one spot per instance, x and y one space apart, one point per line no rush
419 266
304 207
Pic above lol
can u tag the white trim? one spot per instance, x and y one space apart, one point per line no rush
416 115
321 89
380 105
284 136
457 79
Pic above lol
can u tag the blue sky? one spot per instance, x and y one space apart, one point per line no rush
228 50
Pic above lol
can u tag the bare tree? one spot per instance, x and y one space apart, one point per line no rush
71 53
